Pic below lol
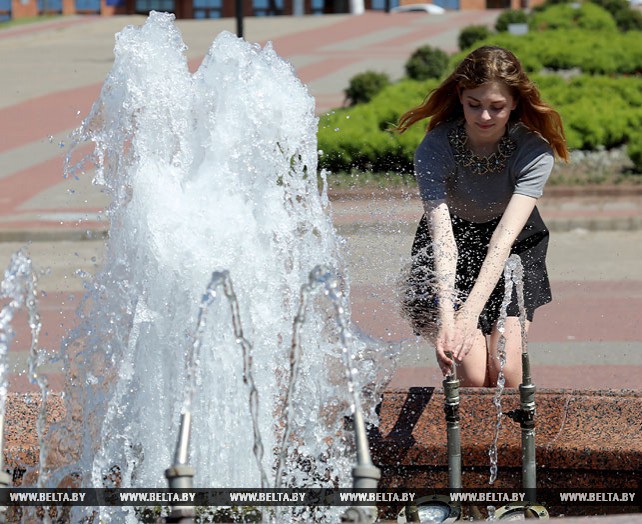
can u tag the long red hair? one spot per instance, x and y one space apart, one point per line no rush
491 64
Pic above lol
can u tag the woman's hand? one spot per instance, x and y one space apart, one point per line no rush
465 331
444 346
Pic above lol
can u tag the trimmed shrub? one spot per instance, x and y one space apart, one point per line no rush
596 53
472 34
358 137
629 20
510 16
426 62
570 16
634 150
364 86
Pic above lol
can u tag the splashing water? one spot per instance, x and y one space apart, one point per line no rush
19 287
19 290
211 171
222 279
320 278
292 454
513 275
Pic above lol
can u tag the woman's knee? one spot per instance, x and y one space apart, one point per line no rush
472 371
512 368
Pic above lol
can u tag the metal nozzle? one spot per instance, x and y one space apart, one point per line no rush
182 445
526 369
180 475
451 409
365 475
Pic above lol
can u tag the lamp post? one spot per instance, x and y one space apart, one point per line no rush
239 18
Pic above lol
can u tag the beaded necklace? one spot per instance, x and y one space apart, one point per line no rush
465 158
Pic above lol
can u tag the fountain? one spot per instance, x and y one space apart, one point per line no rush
213 179
208 172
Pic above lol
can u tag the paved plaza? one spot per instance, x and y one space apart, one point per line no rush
589 337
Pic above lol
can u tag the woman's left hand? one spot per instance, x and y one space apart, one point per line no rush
466 332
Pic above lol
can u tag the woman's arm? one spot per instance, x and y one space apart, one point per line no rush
511 224
445 267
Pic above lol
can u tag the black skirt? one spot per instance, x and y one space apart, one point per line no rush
419 300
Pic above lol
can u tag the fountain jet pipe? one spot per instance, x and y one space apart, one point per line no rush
182 445
527 423
525 415
180 475
453 434
364 476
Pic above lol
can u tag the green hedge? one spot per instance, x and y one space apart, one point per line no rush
594 52
358 137
597 111
587 16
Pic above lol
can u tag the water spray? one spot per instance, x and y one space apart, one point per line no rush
525 415
365 475
19 286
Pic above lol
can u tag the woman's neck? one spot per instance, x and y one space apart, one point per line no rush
483 146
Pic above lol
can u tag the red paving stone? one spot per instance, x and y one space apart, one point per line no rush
591 311
580 312
44 116
310 41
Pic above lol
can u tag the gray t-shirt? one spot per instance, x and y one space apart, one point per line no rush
481 197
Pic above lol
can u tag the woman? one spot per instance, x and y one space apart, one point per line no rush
481 167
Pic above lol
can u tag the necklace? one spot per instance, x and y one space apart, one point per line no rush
479 165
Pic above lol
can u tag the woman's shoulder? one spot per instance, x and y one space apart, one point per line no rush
532 150
525 138
436 140
441 130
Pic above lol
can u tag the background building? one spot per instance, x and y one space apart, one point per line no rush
222 8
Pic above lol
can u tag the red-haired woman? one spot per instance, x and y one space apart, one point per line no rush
484 161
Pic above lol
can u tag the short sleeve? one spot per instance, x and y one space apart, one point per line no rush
433 164
533 165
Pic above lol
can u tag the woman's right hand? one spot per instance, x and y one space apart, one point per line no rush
444 347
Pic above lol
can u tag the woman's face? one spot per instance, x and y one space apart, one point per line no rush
487 109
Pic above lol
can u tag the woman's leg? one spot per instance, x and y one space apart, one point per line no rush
513 366
472 370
